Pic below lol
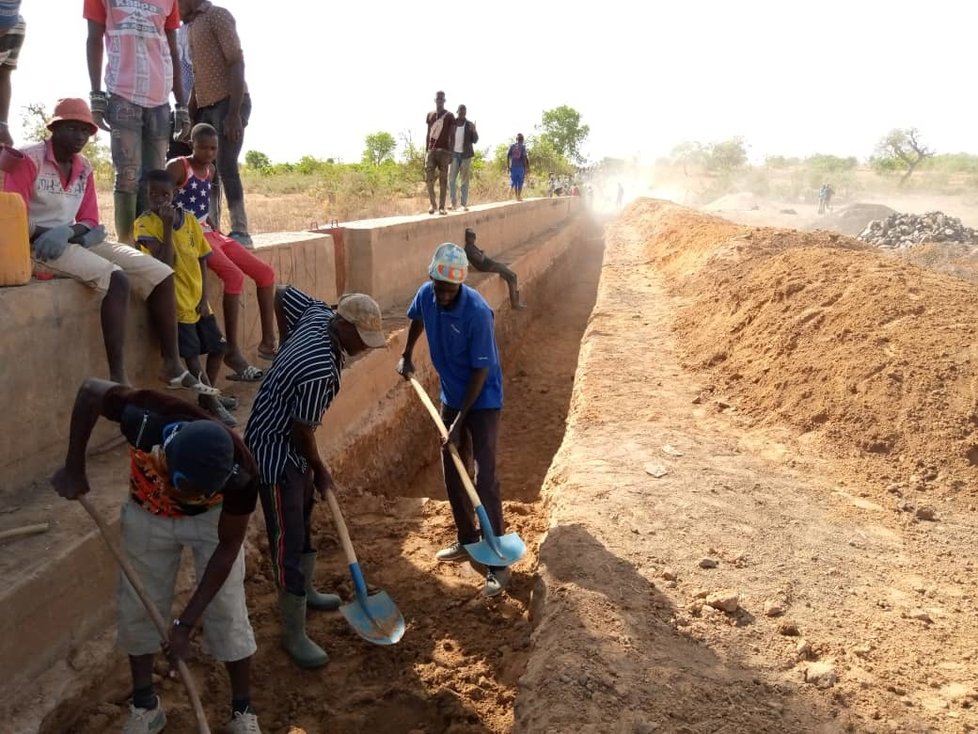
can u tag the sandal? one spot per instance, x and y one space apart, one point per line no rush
180 383
248 374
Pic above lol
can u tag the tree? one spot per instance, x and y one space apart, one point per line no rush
561 127
380 147
544 158
258 161
35 120
900 149
688 154
726 156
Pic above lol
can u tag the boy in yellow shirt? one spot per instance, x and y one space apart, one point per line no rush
176 239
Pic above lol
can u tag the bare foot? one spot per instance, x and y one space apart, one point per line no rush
236 361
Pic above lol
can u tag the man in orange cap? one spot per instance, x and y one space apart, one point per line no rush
57 184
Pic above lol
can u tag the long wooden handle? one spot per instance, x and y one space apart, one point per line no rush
154 613
456 459
41 527
334 507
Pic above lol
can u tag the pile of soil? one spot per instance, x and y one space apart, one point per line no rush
853 219
743 201
867 353
954 259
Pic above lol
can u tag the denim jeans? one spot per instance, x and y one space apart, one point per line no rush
465 166
228 177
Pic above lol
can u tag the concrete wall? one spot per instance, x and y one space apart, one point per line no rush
52 340
389 257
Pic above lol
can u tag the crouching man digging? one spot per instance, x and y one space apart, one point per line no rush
192 484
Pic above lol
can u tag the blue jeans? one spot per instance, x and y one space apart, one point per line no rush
465 166
228 177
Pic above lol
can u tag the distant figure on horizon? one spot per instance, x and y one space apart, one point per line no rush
466 136
518 164
438 149
824 198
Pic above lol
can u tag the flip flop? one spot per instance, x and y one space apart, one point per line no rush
267 356
178 383
248 374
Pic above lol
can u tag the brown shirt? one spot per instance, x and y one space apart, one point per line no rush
214 47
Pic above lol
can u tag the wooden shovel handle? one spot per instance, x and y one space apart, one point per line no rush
456 459
334 507
154 613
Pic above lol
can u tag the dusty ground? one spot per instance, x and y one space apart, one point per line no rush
846 613
456 670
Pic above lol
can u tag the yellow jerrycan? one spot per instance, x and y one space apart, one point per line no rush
15 244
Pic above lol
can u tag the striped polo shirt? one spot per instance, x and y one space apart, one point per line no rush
298 387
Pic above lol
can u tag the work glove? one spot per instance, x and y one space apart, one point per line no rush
52 244
95 236
181 123
99 102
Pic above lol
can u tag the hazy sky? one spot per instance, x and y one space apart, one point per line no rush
791 77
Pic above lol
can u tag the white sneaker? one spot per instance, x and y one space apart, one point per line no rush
244 724
145 721
453 553
497 581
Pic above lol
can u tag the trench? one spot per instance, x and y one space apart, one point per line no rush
458 665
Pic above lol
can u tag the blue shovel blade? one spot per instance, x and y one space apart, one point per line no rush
375 618
508 550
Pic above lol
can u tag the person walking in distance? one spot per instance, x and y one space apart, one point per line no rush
438 151
462 342
295 394
141 43
463 152
518 163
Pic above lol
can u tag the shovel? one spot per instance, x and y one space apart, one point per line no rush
492 550
154 613
374 617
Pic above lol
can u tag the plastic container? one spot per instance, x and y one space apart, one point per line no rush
15 243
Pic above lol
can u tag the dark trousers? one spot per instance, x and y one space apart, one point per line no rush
488 265
479 441
228 177
439 160
287 506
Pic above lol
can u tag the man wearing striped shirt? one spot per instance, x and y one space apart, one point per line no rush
281 434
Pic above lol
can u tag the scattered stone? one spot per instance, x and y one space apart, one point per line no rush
708 563
671 450
656 470
789 629
726 601
926 513
862 651
921 615
669 575
804 650
821 675
773 609
788 211
906 230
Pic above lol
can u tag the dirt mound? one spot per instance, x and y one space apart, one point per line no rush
958 260
853 219
868 353
743 201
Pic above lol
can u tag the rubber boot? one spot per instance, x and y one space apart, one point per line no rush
125 215
303 651
314 599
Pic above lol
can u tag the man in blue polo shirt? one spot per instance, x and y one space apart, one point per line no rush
462 343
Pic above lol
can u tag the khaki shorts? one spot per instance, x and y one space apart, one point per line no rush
94 266
154 545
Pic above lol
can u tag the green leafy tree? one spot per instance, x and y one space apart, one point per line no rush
258 161
379 147
726 156
545 158
900 150
562 129
687 154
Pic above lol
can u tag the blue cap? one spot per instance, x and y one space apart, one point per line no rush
202 452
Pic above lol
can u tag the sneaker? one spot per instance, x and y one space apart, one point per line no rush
496 581
242 238
145 721
455 552
244 723
228 401
465 208
443 212
431 210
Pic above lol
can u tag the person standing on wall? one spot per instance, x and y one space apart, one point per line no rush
518 163
295 394
438 151
466 136
142 48
460 327
12 29
220 99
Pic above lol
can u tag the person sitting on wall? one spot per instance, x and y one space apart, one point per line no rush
57 183
481 262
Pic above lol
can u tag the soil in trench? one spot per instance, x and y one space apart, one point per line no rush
457 667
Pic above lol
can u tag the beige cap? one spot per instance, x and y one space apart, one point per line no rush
363 312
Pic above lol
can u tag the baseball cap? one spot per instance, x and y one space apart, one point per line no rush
449 263
201 452
73 109
363 312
